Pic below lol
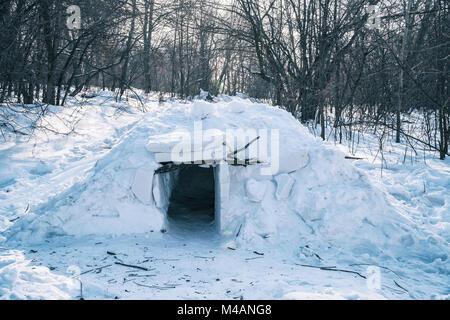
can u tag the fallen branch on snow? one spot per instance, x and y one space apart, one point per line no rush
132 266
97 270
332 269
154 287
368 264
400 286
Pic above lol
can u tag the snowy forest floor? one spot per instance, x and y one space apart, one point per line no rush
177 265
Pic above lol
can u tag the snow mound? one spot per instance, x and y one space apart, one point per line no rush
316 200
20 280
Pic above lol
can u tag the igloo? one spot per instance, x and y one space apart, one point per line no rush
192 182
249 172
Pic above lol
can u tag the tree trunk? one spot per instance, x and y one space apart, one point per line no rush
148 31
126 54
403 55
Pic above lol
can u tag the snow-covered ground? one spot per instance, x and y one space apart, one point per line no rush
38 260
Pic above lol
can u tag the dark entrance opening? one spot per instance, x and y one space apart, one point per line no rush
191 204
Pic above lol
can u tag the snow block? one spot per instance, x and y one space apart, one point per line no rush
157 194
222 185
290 162
284 186
185 146
255 190
162 188
224 180
163 157
166 142
142 185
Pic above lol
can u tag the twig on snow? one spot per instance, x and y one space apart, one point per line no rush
154 287
368 264
332 269
131 266
201 257
243 148
96 269
400 286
